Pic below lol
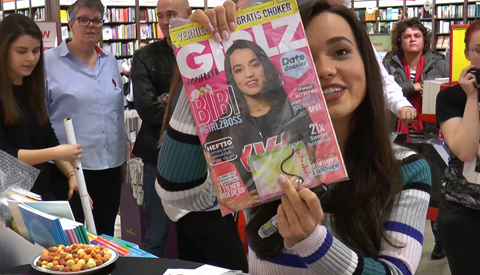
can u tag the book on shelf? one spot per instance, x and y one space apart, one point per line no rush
107 33
446 42
63 16
145 31
439 43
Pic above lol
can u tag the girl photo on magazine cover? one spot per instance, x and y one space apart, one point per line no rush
265 109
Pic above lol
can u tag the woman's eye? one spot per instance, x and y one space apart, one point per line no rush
256 64
237 71
342 52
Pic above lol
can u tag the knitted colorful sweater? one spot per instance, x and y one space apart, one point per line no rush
183 182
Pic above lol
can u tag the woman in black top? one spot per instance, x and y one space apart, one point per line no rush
25 131
457 112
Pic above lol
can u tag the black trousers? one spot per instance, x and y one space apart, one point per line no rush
207 237
459 232
104 187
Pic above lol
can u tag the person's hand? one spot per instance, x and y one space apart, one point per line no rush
219 20
69 152
299 214
418 87
468 82
236 204
407 114
73 186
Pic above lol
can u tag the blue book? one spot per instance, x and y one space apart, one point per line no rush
43 229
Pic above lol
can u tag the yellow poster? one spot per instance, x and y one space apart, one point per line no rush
458 61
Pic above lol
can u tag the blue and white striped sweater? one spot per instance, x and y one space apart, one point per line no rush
184 183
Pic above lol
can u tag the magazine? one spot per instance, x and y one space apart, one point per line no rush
258 105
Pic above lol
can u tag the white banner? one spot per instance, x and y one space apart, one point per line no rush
22 4
67 2
49 33
8 6
38 3
148 3
118 2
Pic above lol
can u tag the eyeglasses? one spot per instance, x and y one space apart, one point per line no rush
84 22
476 52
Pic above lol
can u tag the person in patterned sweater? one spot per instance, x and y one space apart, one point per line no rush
372 223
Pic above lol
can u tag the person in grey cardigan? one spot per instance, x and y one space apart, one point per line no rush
411 50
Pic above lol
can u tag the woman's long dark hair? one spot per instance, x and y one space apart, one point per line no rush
401 27
362 204
273 92
11 28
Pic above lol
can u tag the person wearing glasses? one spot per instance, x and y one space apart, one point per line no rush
459 212
83 83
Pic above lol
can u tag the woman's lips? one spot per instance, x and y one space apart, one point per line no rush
252 84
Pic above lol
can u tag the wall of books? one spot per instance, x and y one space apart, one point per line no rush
380 16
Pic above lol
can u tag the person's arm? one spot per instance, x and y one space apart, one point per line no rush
145 99
69 172
183 180
394 98
462 133
407 87
325 254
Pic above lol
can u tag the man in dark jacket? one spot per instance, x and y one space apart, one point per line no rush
152 72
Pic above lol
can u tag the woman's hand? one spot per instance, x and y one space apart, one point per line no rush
418 87
235 204
73 186
299 214
468 82
68 152
219 20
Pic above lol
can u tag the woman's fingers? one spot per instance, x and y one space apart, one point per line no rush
202 18
222 23
313 204
212 17
231 14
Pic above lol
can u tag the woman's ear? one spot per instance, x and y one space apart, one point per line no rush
467 54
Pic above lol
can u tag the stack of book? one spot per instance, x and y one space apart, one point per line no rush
47 223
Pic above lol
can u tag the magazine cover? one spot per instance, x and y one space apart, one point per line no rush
258 105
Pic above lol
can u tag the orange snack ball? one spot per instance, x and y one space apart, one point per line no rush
98 262
88 251
61 246
38 263
104 259
68 257
76 267
107 256
43 258
50 258
55 262
101 252
54 268
68 249
52 249
84 267
62 262
98 257
74 246
75 260
66 269
93 254
56 258
74 251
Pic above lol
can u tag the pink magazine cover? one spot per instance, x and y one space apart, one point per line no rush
258 105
